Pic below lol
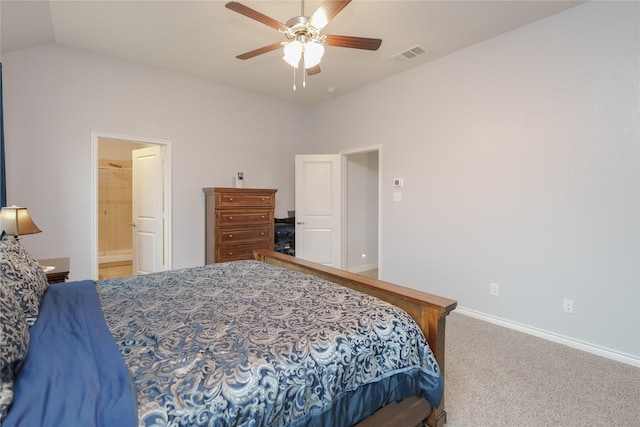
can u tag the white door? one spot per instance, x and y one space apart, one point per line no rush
318 208
148 215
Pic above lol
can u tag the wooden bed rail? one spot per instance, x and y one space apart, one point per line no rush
428 310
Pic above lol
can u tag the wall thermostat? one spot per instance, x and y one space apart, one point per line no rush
397 182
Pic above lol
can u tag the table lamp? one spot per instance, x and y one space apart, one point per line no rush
16 221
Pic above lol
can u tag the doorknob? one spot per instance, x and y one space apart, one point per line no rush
300 222
133 224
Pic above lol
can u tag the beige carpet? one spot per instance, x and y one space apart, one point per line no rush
496 376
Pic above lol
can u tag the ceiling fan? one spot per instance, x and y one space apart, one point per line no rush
305 42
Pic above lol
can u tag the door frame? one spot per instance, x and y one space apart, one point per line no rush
344 216
95 136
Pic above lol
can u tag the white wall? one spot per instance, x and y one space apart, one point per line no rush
520 159
54 97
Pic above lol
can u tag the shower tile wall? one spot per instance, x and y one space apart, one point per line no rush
114 207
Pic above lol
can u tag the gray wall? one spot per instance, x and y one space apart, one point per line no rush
520 159
521 167
54 97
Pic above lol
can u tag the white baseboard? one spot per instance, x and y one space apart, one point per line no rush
363 268
550 336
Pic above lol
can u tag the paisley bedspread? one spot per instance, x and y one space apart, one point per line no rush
250 344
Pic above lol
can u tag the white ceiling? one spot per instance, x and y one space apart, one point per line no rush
202 38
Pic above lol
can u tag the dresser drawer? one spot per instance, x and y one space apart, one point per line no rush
238 221
231 200
229 218
226 253
251 234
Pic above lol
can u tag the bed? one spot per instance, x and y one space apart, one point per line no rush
271 341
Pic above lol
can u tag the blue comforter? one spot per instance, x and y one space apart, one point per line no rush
233 344
74 374
250 344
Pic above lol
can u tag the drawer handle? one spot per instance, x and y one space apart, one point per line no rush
261 216
262 234
262 199
230 218
229 253
231 199
230 235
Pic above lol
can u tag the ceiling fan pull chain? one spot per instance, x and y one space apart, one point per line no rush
294 79
304 75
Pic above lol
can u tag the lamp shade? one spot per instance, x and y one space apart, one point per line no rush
292 53
16 221
313 52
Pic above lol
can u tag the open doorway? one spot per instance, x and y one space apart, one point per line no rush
338 209
361 211
115 246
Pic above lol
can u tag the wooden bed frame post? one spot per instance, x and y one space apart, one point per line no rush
428 310
438 416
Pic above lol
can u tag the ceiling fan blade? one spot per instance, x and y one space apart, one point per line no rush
326 12
353 42
254 14
260 51
313 70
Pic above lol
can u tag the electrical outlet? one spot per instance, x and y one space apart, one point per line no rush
494 289
567 306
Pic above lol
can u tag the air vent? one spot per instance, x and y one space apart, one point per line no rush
409 54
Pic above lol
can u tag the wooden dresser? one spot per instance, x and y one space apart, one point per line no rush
237 221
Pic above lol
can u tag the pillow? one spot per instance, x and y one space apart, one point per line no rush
14 343
23 274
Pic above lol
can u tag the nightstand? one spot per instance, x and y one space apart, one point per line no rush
60 271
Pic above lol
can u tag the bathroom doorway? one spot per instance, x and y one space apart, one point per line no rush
114 204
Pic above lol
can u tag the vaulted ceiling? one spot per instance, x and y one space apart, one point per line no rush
202 38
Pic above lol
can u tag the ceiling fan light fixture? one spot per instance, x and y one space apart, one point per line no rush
320 19
292 53
305 41
313 52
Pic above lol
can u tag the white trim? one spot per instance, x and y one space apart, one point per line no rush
344 213
550 336
95 135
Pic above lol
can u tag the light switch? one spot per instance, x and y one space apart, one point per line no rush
397 196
